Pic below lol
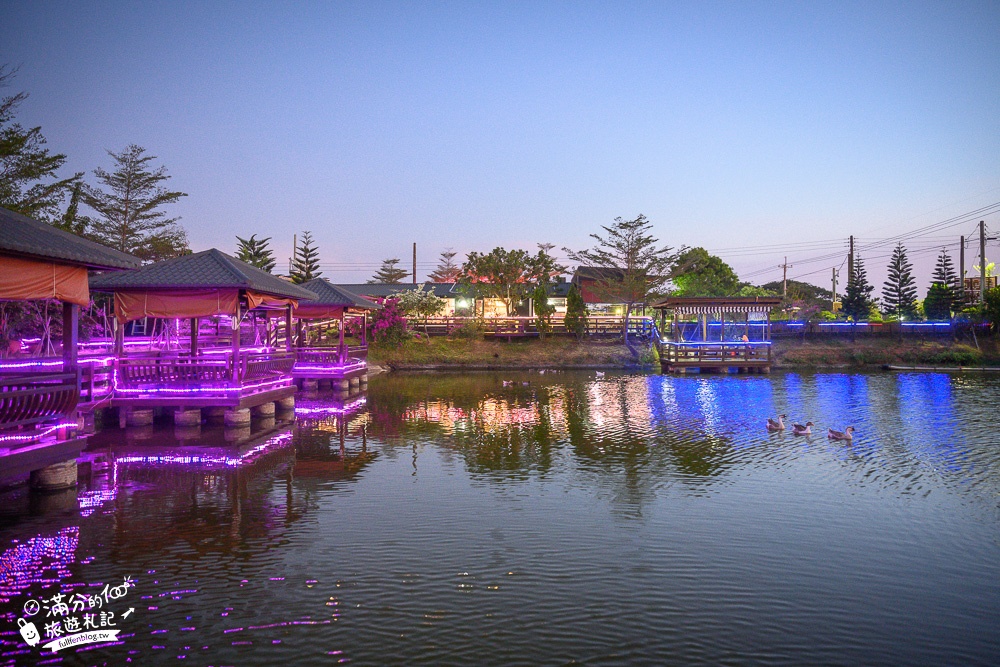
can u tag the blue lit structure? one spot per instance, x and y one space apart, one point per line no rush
743 341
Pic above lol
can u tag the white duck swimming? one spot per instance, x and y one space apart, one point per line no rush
776 425
847 434
802 429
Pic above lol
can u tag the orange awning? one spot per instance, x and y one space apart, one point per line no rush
28 280
180 303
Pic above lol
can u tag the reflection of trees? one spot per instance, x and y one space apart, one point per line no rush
334 449
612 429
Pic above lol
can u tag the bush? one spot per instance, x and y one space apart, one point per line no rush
389 325
471 329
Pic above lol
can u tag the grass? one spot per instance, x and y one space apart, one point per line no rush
880 351
552 352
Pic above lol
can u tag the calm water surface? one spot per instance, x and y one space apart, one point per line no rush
558 518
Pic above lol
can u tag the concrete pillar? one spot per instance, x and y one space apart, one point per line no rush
265 423
342 385
55 477
310 385
285 403
355 382
183 417
264 410
139 417
324 384
237 417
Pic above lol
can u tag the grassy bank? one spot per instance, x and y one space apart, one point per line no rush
828 352
558 352
561 352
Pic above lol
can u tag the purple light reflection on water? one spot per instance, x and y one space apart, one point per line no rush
26 563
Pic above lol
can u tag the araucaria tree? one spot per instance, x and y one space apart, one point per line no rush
899 293
129 202
941 297
28 180
305 262
389 273
256 252
447 271
857 300
634 266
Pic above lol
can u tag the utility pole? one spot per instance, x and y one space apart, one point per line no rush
982 262
833 302
295 245
414 263
850 259
961 271
784 277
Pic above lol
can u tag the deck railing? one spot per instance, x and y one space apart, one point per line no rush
715 354
29 399
165 370
330 355
597 325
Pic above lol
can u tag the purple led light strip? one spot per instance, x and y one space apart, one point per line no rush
200 390
30 437
231 461
348 367
354 405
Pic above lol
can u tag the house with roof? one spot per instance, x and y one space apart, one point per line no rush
458 302
589 279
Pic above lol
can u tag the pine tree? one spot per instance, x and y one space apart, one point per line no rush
28 180
857 300
256 253
389 273
305 263
71 221
941 297
447 271
129 218
576 313
899 293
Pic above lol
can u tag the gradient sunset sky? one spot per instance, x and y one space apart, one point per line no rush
472 125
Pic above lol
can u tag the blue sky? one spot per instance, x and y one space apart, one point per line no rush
473 125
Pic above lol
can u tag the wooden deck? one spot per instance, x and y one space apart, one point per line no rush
752 357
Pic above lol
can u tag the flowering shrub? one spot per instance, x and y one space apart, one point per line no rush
389 324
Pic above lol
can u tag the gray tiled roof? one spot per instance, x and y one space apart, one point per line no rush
379 290
210 268
332 295
24 237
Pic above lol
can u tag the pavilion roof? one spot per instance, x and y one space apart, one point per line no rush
207 269
28 238
722 304
334 295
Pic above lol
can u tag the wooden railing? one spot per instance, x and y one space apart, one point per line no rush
36 398
171 370
330 355
597 325
258 366
715 354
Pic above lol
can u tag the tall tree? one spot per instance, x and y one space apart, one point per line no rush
305 263
256 252
941 297
697 273
447 271
28 180
129 216
508 275
899 293
857 300
634 266
389 273
71 221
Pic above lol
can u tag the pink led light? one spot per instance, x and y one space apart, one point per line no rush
31 437
207 391
330 410
231 461
332 367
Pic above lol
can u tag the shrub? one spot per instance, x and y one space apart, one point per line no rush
389 325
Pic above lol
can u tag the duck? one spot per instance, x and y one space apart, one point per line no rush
802 429
508 383
599 374
776 425
847 434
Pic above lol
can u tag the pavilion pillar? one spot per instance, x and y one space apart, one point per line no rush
70 335
119 337
288 328
236 346
704 327
194 337
364 328
340 347
768 329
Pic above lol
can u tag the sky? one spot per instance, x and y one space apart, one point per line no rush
759 130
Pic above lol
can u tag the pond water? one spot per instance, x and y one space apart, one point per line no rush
527 518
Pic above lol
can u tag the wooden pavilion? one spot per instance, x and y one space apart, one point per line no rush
234 378
39 394
340 363
716 334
